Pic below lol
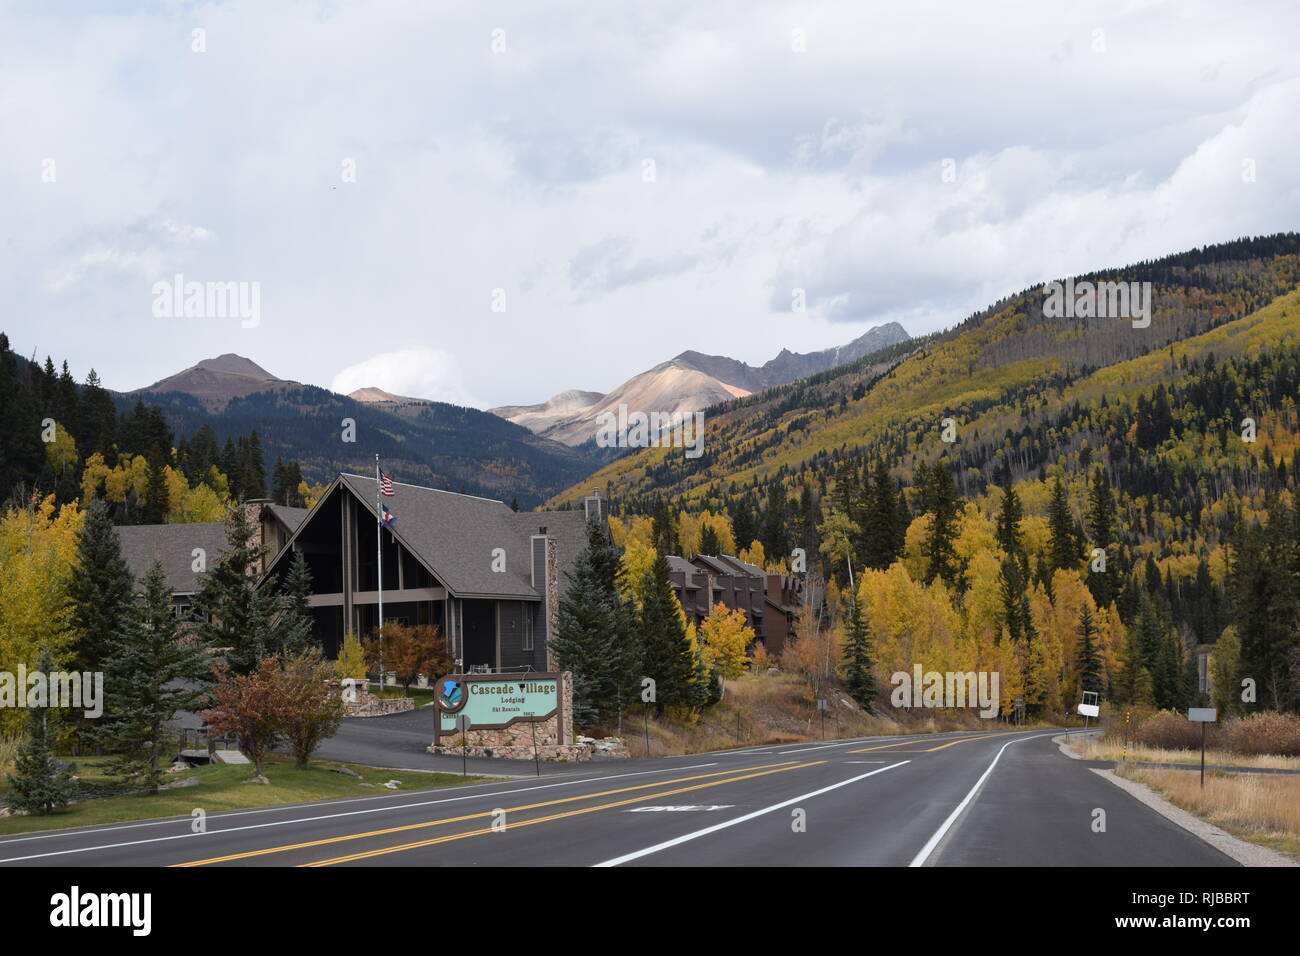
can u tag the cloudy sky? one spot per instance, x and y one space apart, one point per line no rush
490 202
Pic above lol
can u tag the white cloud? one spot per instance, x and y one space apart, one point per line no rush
416 372
522 171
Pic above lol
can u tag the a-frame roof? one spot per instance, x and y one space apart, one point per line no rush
455 535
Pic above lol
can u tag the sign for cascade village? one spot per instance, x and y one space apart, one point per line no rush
495 701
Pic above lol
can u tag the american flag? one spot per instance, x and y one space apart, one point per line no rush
385 485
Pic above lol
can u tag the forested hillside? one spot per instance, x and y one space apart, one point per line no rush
998 485
265 444
443 446
69 440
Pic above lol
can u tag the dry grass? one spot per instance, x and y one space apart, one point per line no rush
1260 808
774 709
1109 749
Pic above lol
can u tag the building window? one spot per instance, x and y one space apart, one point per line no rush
528 626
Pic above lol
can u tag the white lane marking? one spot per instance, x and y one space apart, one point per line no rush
804 750
636 855
722 806
327 816
920 858
768 748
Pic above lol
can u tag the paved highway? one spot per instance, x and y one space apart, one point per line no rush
990 798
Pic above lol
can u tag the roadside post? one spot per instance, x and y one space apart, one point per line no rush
1202 716
1127 715
462 727
537 758
1090 707
821 707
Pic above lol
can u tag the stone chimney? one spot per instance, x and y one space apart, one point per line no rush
253 518
546 581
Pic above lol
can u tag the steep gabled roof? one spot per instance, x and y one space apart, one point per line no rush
287 516
726 564
173 545
455 536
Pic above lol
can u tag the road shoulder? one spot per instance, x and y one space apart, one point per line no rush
1247 854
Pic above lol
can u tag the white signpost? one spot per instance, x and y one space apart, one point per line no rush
1202 716
1091 706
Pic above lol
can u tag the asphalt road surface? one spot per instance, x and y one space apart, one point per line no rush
989 798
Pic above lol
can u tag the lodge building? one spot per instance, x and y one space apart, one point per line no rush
488 577
770 602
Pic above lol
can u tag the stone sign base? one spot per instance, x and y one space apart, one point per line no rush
559 753
359 702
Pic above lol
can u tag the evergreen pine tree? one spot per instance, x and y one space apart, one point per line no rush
743 526
859 675
664 529
938 548
233 613
253 481
666 655
39 783
594 634
100 588
293 626
709 541
1101 510
776 533
1062 546
151 675
156 498
22 456
1087 658
880 517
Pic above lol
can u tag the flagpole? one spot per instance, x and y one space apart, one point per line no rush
379 554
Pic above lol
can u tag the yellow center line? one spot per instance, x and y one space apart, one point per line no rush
952 743
469 816
366 854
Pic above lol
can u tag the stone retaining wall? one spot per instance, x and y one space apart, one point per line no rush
560 753
359 702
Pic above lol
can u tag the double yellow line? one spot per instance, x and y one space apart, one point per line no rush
729 775
951 743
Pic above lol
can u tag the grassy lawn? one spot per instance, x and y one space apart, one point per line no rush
423 696
222 787
1114 750
1258 808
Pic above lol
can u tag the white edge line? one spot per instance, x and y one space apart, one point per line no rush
626 858
920 858
327 816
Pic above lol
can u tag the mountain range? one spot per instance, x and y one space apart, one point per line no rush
423 442
525 453
688 382
1010 378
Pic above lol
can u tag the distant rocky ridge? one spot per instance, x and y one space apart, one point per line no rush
216 381
687 383
421 441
